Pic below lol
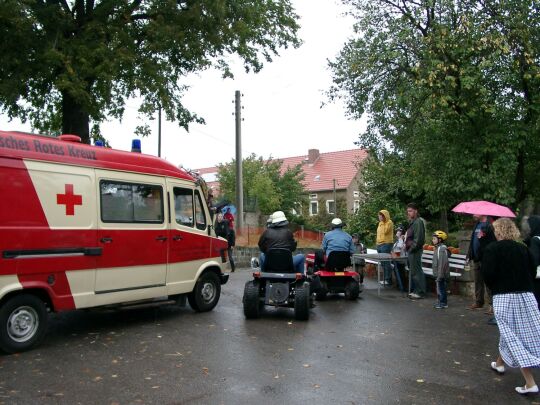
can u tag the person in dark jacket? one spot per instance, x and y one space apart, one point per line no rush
533 242
414 244
279 236
223 229
482 235
508 270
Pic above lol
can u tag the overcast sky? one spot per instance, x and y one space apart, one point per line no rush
282 104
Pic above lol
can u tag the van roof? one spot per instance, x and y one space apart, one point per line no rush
20 145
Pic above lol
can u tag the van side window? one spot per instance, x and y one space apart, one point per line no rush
200 218
131 202
183 206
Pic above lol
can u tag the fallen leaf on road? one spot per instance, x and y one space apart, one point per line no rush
316 386
306 365
457 362
290 349
420 381
98 378
155 387
205 370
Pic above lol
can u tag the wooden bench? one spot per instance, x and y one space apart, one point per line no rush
457 263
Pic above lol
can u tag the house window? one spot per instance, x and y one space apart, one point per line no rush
313 196
330 206
313 207
356 194
356 206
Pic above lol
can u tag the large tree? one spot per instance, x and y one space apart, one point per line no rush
68 65
452 89
265 183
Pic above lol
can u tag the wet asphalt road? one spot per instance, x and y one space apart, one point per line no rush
379 350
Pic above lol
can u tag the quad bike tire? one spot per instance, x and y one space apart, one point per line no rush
251 300
302 302
352 290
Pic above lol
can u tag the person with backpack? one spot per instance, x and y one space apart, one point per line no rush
441 267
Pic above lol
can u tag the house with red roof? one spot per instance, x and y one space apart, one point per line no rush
323 172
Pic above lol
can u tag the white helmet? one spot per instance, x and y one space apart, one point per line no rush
336 222
278 216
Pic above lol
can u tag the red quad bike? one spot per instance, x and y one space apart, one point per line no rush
278 286
335 274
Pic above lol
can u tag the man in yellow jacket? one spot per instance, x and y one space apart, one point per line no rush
385 241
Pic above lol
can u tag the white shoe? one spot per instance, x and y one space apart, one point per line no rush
525 390
414 296
498 369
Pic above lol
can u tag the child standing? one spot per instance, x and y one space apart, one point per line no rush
441 268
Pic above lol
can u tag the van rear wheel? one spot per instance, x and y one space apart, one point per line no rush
23 322
206 293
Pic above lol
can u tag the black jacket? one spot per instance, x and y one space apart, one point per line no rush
533 241
223 229
277 237
508 267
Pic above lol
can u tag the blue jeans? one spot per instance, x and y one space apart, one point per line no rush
299 261
441 292
387 266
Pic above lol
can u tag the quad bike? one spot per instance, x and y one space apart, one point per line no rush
278 285
335 274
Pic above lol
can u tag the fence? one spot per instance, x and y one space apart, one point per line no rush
249 236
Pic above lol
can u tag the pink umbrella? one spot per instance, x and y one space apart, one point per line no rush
483 208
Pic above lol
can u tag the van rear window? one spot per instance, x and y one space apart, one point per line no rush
131 202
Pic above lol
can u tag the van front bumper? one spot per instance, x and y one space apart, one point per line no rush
224 277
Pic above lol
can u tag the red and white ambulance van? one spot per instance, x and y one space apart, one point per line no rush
84 226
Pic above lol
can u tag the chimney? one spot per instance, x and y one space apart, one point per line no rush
313 155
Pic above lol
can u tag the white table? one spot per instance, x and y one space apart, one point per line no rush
378 258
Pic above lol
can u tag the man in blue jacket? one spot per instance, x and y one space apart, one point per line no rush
337 239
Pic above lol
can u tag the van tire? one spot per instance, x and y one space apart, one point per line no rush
206 293
23 323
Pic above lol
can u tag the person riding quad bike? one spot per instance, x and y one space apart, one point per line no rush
280 281
332 261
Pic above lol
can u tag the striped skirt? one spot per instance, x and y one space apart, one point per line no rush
518 319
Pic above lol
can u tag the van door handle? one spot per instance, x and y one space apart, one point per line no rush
177 237
105 240
161 238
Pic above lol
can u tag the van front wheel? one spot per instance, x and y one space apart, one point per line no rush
205 295
23 322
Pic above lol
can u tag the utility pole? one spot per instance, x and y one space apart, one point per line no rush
335 202
239 180
159 132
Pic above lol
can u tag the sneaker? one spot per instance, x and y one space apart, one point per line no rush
492 321
441 306
498 369
415 296
525 390
475 306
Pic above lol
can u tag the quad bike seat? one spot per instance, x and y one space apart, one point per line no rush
338 261
278 261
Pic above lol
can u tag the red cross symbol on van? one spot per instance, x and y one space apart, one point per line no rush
69 199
